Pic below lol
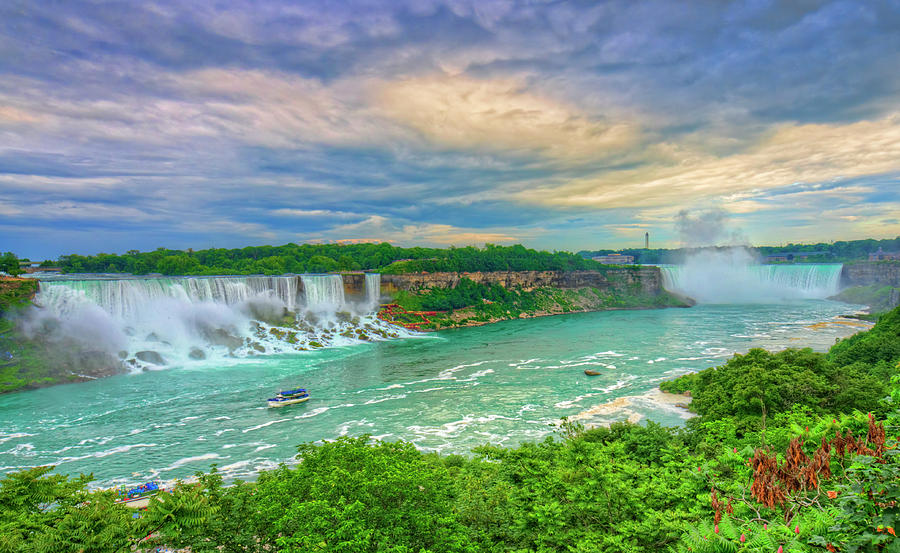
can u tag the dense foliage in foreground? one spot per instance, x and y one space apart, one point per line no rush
324 258
765 473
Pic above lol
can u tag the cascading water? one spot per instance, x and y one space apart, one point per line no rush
373 290
128 297
733 276
323 292
157 322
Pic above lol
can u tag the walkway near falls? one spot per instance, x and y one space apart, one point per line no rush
394 314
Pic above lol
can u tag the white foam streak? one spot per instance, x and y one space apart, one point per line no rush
13 436
265 424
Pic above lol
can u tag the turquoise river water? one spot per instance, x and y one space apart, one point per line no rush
449 392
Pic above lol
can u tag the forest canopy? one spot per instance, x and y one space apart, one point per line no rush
324 258
387 258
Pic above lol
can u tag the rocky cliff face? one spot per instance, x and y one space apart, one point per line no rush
354 285
648 279
884 273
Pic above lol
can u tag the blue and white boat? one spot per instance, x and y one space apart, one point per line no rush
289 397
138 497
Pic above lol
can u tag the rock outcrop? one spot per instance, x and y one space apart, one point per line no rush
647 280
866 273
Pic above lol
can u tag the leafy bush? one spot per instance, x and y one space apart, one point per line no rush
9 264
350 495
880 343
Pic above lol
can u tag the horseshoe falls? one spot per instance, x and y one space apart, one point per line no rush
724 281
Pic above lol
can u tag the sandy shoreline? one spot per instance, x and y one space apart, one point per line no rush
625 406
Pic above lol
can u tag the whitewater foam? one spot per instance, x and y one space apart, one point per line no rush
159 323
13 436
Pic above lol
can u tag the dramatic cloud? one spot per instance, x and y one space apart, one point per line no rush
561 125
499 116
380 229
791 153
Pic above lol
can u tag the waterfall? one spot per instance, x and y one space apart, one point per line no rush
733 279
373 290
126 298
323 292
158 322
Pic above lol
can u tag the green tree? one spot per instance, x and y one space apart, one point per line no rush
40 512
178 265
322 264
9 264
349 495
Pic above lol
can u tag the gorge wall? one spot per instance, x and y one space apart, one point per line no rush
867 273
648 279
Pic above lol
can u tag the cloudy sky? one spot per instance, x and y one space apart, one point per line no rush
559 125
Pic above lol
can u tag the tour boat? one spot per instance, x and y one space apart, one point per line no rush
139 497
288 397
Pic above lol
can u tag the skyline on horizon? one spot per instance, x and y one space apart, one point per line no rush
558 125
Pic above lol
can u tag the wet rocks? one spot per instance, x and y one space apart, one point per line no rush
151 357
222 337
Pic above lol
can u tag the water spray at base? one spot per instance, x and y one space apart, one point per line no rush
153 323
733 275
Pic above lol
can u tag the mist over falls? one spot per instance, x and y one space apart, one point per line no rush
152 323
735 276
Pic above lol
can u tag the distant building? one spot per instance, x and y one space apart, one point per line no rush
793 256
884 256
614 259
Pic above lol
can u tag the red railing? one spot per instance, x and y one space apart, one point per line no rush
390 311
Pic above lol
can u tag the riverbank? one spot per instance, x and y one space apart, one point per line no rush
879 298
470 318
29 361
472 304
16 292
624 407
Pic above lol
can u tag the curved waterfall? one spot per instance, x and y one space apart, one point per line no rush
715 281
159 322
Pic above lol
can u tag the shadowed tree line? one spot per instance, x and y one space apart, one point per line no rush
842 251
